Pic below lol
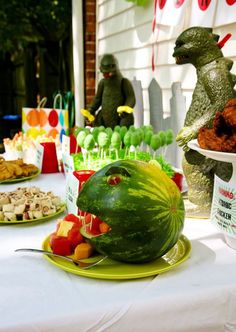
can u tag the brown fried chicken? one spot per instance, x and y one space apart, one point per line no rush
222 137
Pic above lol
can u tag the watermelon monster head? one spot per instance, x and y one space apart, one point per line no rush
142 206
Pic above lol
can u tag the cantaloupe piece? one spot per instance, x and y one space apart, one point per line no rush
83 250
103 227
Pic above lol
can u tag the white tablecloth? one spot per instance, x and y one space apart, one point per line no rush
198 295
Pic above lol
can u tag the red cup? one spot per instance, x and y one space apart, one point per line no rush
50 162
82 176
74 148
178 179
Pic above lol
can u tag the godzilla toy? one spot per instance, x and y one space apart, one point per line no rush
113 91
214 88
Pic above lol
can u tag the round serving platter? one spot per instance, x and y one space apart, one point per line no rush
16 180
29 221
111 269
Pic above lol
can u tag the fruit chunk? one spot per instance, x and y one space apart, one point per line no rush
74 218
60 245
103 227
64 227
83 250
94 226
74 236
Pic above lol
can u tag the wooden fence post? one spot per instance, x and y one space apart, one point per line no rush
175 121
177 111
155 105
138 109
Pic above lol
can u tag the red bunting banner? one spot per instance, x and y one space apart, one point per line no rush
203 4
161 3
200 12
178 3
153 29
231 2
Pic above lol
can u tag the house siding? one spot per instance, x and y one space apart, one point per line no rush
125 30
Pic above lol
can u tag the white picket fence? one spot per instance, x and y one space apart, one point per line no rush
175 120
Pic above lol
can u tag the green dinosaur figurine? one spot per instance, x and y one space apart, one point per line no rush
113 91
215 86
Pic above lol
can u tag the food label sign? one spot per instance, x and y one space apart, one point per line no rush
68 163
34 155
72 190
223 211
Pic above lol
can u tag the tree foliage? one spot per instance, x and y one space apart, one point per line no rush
27 21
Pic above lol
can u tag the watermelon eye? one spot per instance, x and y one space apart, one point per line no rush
114 180
116 174
117 170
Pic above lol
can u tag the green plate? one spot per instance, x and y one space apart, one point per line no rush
110 269
62 209
16 180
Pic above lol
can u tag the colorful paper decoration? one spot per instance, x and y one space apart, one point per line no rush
52 122
46 121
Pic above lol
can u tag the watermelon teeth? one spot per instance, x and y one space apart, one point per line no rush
93 224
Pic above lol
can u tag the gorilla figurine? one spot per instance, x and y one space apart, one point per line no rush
114 100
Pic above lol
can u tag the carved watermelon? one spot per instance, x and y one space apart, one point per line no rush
141 204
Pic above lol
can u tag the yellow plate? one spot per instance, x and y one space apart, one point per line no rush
16 180
7 222
110 269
